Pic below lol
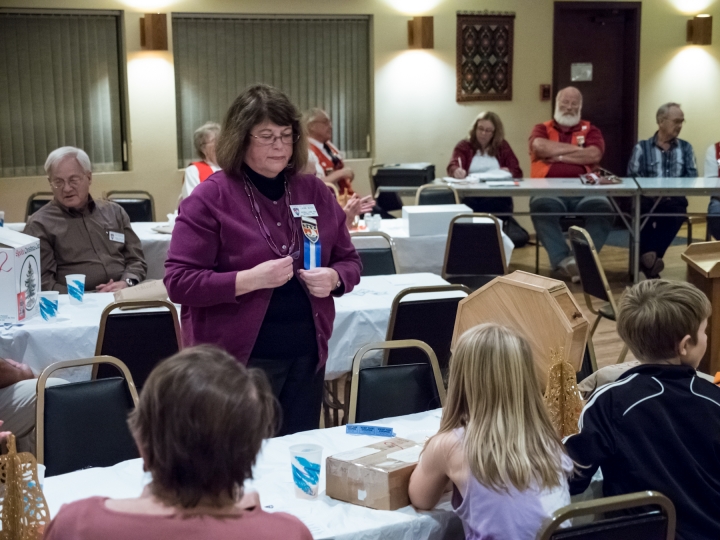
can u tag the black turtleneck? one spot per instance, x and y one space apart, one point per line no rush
288 329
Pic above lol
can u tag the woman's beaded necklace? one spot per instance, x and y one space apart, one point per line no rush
255 209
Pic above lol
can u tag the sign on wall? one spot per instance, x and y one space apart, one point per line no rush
484 55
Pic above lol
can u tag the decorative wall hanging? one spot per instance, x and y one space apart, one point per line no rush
484 55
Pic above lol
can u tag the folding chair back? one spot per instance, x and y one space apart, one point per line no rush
430 194
36 201
378 260
385 391
139 205
430 320
84 424
474 254
592 276
656 523
141 339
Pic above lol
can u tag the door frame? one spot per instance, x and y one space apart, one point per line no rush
632 72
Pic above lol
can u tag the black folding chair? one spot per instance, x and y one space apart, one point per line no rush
376 260
139 205
657 522
595 285
385 391
84 424
141 339
36 201
474 254
430 320
436 194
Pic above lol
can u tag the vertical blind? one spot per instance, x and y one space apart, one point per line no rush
59 86
317 62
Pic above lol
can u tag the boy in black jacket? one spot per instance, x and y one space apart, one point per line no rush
658 426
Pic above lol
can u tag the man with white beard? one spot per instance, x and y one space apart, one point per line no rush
567 147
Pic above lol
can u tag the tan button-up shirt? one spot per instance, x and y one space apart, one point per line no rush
97 241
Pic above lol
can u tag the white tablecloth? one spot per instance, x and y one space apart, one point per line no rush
325 517
361 318
414 253
418 253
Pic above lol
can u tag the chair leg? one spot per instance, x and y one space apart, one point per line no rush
537 256
690 236
623 353
593 358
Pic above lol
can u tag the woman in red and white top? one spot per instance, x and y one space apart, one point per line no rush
204 139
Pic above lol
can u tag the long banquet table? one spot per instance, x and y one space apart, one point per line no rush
325 517
361 317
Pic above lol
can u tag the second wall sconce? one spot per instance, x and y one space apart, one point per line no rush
420 33
153 32
699 30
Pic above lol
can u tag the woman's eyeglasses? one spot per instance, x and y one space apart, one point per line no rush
268 139
489 131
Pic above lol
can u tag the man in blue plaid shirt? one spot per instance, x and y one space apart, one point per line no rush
662 156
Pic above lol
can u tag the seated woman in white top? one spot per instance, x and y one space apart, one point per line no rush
204 139
496 443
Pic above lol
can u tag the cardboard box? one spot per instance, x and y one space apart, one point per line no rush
19 276
376 476
426 220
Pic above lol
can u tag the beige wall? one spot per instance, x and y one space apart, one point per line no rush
416 117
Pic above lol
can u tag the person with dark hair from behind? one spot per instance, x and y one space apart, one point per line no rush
658 426
199 425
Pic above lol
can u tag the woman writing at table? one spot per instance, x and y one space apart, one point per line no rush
485 150
199 426
258 252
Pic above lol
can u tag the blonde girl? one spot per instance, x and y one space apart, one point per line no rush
496 443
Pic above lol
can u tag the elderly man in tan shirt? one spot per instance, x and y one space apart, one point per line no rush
79 235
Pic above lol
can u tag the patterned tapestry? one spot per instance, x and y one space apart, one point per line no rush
484 56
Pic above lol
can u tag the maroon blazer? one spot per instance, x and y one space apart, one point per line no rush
505 156
216 235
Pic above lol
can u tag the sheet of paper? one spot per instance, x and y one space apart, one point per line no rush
408 455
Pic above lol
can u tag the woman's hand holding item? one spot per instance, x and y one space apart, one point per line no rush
268 275
320 281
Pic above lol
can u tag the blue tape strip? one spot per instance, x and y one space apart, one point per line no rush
362 429
312 254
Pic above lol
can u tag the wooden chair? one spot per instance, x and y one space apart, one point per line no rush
84 424
377 261
429 194
141 339
139 204
655 524
595 285
394 390
474 253
36 201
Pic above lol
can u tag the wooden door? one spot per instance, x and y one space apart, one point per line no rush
607 36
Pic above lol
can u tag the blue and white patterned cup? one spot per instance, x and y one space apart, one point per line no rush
49 301
76 287
306 461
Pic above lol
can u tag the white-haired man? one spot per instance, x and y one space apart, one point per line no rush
79 235
663 155
567 147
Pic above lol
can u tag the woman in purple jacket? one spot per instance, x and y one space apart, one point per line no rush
485 150
258 251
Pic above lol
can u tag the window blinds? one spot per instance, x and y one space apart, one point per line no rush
60 85
317 62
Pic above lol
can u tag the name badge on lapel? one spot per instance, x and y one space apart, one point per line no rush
117 237
581 140
303 210
312 242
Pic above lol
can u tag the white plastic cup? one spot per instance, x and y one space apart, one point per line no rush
49 301
76 288
373 224
2 218
306 463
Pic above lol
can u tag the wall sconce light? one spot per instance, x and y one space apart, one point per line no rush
153 32
699 30
420 33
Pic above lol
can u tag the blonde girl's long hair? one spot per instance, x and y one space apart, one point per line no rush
494 394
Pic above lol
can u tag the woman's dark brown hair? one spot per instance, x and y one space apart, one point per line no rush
199 424
497 138
254 106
